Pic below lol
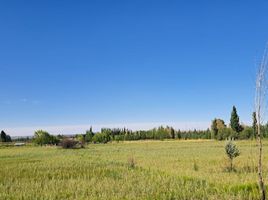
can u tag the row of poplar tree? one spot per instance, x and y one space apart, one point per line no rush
219 130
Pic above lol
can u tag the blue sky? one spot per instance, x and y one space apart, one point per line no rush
81 63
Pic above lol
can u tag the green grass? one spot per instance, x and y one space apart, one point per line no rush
162 170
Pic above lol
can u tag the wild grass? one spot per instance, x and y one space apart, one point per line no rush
130 170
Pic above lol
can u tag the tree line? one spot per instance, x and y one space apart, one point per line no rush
218 130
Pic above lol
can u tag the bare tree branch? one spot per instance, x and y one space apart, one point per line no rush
260 108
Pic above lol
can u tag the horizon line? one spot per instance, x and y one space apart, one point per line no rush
81 128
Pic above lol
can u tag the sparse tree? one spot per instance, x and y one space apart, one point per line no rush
260 104
232 152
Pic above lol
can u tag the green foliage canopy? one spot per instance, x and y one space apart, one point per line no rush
234 121
42 138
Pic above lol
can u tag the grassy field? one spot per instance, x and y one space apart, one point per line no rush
163 170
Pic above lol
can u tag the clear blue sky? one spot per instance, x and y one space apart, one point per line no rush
110 62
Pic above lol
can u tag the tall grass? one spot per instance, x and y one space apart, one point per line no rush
162 170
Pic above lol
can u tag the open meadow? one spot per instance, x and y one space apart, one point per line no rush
193 169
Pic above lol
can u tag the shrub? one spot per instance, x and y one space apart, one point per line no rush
246 133
101 138
195 167
226 133
131 162
232 152
89 135
67 143
42 137
81 139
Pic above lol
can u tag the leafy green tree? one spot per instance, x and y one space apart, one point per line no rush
214 129
8 138
42 137
89 135
81 139
4 137
178 134
217 124
232 152
172 133
102 137
234 122
247 133
226 133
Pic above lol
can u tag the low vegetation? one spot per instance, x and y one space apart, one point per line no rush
68 143
173 169
177 167
232 152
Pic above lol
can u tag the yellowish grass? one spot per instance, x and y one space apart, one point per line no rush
194 169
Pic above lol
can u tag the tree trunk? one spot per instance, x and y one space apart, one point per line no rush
261 183
260 106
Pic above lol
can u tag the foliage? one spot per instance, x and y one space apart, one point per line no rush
232 152
226 133
214 129
81 139
89 135
234 121
68 143
247 133
159 133
195 167
131 162
165 170
101 138
216 126
4 137
43 138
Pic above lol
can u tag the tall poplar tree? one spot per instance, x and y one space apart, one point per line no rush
234 122
3 136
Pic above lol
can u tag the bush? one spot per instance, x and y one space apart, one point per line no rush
195 167
101 138
246 133
131 162
226 133
42 138
68 143
89 135
232 152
